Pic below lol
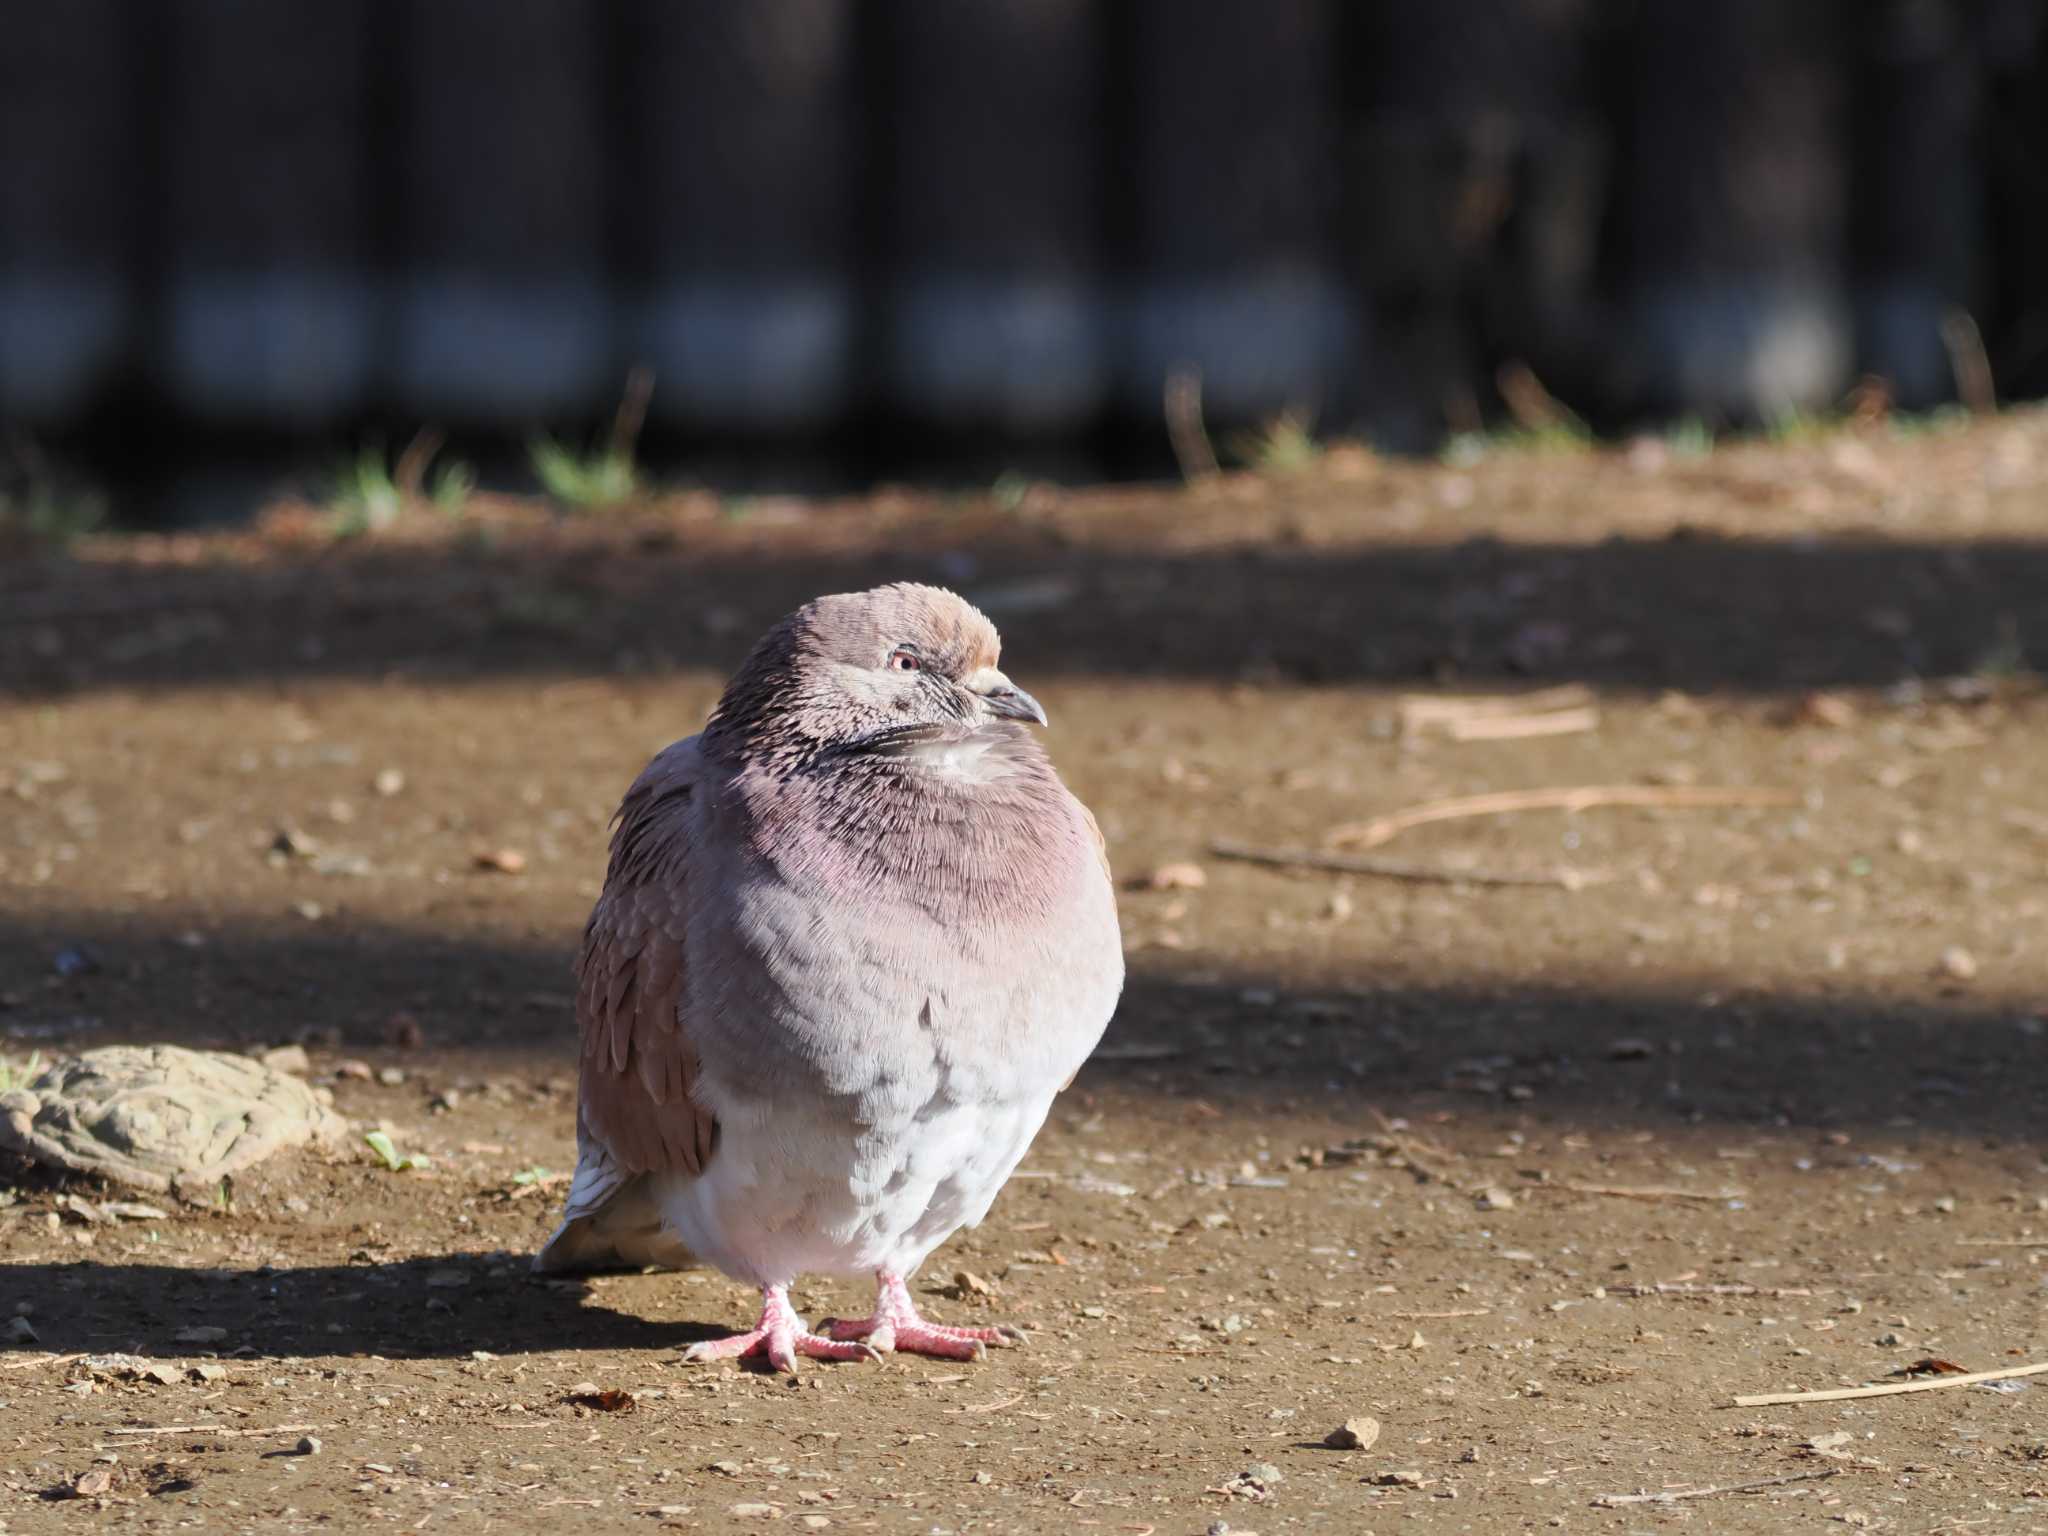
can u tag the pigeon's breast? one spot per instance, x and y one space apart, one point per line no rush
981 966
879 1061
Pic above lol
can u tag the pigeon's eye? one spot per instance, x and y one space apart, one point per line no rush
904 661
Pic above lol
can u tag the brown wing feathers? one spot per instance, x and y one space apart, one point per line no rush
637 1060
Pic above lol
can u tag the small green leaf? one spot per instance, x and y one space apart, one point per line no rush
381 1144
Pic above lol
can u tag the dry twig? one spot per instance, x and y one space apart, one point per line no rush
1675 1288
2003 1242
1889 1389
1556 722
1192 449
23 1365
1966 357
1616 1500
1582 797
1648 1192
1501 717
212 1429
1409 1317
1566 878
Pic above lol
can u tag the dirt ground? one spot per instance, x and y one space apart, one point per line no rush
1721 1100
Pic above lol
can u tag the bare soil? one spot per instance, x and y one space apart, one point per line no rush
1538 1176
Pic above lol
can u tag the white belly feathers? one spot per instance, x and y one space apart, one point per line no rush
789 1193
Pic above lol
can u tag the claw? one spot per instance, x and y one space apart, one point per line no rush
780 1338
896 1327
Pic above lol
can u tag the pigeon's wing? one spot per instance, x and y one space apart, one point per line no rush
1102 858
635 1115
1101 847
637 1059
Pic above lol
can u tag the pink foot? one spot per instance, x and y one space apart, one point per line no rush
780 1337
897 1327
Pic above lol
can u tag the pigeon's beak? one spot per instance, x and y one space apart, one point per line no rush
1005 699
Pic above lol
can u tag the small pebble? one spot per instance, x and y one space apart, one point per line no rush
1353 1435
289 1059
1177 877
93 1482
1958 963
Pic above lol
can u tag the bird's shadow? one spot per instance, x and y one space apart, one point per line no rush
447 1306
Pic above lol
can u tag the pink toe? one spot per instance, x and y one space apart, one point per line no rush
732 1347
815 1347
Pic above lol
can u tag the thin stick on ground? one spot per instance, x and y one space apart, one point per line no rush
1967 359
1616 1500
2003 1242
1888 1389
1566 879
25 1365
1582 797
1192 449
1684 1289
1415 1317
1556 722
1648 1192
210 1429
632 412
1501 716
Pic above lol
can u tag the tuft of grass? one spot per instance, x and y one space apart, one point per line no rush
1284 445
603 475
369 493
1788 424
41 507
2005 659
1939 422
1689 438
15 1075
1464 449
451 487
364 497
591 480
1010 491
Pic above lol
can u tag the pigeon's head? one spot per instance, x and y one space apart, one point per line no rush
883 670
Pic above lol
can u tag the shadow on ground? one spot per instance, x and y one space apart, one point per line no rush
397 1308
1674 1053
1697 612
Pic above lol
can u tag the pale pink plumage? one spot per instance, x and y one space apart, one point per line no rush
853 939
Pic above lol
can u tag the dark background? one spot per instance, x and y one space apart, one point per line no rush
866 239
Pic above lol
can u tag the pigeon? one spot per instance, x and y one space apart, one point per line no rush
854 938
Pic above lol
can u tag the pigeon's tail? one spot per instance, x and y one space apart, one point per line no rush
611 1221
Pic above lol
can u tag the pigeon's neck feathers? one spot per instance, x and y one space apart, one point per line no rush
972 832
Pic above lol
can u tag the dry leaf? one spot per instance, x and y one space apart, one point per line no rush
609 1400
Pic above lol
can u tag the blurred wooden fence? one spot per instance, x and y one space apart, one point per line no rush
1007 216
